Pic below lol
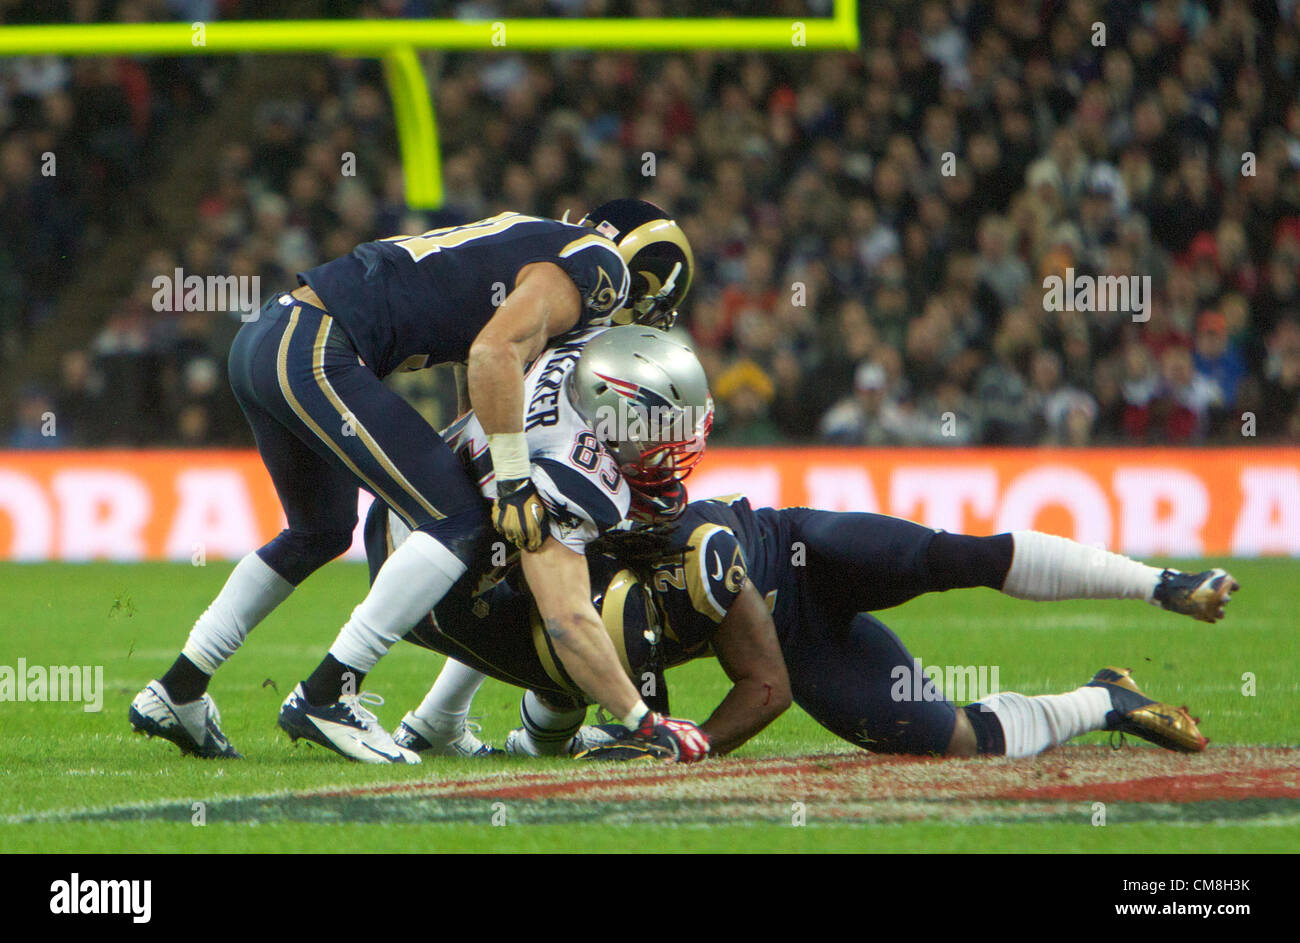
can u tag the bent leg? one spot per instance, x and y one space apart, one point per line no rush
344 413
319 503
863 685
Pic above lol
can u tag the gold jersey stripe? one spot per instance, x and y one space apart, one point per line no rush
373 447
613 612
282 373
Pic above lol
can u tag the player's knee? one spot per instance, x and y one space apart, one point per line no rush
295 555
560 703
467 535
331 544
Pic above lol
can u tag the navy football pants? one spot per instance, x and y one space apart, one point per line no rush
843 661
325 425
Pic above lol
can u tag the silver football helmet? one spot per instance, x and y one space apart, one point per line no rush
645 396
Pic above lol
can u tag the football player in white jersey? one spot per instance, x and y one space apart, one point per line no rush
599 406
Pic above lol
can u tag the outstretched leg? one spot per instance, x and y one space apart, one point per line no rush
892 560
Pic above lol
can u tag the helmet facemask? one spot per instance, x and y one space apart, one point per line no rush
659 465
658 308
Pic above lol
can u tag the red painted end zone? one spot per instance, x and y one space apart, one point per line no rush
1071 774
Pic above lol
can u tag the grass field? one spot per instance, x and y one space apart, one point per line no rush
72 780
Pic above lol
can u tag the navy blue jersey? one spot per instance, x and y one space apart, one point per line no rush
724 542
409 302
809 566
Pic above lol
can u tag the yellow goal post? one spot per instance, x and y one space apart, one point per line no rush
395 42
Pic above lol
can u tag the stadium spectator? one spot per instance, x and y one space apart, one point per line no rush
898 206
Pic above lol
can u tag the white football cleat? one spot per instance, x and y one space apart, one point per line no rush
194 726
346 727
419 737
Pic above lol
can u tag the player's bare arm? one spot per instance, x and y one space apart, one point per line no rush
461 375
748 651
561 588
545 303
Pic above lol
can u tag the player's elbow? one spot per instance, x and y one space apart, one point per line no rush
772 694
781 699
486 351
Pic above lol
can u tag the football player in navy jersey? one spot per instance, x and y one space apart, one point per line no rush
308 374
783 599
803 582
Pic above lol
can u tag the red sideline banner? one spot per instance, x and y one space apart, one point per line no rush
182 505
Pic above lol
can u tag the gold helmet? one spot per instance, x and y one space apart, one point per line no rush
658 257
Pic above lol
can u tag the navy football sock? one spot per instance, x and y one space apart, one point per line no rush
989 738
326 683
184 681
959 561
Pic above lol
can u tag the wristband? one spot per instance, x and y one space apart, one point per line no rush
510 460
634 717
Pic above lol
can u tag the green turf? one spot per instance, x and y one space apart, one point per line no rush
132 618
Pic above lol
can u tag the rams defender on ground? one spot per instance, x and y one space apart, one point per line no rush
821 573
307 373
629 407
726 570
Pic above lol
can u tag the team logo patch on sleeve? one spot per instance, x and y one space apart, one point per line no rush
604 296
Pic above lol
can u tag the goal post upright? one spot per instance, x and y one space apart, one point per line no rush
394 43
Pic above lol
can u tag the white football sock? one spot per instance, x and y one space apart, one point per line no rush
446 706
410 583
547 731
1045 568
1031 725
252 590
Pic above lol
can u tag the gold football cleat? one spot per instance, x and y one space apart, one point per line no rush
1201 595
1134 713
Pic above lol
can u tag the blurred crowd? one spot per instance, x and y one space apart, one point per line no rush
872 230
79 139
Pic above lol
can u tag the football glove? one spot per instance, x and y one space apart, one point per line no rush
518 513
656 737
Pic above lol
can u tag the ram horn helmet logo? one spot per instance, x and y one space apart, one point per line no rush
665 289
